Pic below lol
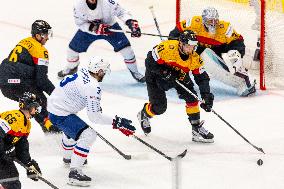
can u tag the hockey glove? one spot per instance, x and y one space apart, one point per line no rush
123 125
207 102
9 154
169 74
99 28
134 27
34 170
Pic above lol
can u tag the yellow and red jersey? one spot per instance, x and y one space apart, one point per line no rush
29 51
224 34
14 125
167 53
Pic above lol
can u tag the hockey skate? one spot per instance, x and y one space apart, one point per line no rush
144 121
78 178
200 134
138 76
67 162
65 72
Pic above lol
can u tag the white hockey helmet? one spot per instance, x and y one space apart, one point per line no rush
210 19
97 63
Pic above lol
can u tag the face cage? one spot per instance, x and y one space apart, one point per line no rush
211 24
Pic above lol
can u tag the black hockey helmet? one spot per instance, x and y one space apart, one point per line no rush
188 37
40 27
28 101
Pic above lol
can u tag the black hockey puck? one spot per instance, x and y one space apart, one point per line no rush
259 162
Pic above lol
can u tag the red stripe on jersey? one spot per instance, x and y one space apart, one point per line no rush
160 61
192 104
17 134
185 69
196 72
79 154
35 60
208 41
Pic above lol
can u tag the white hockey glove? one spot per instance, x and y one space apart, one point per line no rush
234 61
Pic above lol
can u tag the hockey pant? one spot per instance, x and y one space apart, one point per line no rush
158 99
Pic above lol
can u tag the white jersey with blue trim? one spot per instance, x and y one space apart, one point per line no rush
106 12
76 92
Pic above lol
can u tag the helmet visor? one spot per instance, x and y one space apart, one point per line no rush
48 34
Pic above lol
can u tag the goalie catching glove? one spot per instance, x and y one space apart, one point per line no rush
134 27
33 170
207 102
123 125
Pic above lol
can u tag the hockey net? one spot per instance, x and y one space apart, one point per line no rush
245 17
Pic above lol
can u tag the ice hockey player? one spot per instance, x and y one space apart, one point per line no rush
173 60
26 69
15 126
224 42
94 18
74 93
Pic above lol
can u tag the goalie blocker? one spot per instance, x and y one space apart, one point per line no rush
229 70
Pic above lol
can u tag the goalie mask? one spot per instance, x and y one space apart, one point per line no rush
210 19
29 101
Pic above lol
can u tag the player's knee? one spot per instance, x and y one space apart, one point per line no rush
88 136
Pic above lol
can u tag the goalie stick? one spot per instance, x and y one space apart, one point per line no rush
125 156
181 155
38 175
220 117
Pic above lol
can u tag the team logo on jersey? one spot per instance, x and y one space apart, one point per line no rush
171 46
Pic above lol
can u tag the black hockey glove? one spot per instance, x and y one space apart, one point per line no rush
207 102
123 125
134 27
99 28
169 74
34 170
9 154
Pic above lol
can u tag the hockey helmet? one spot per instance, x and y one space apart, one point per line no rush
97 63
210 19
188 37
28 101
41 27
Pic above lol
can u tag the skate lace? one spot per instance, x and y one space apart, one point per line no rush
203 131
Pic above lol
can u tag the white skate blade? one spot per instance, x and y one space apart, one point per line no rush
196 137
202 140
74 182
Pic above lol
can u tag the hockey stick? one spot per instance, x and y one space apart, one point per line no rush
128 157
156 22
181 155
38 175
220 117
150 34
